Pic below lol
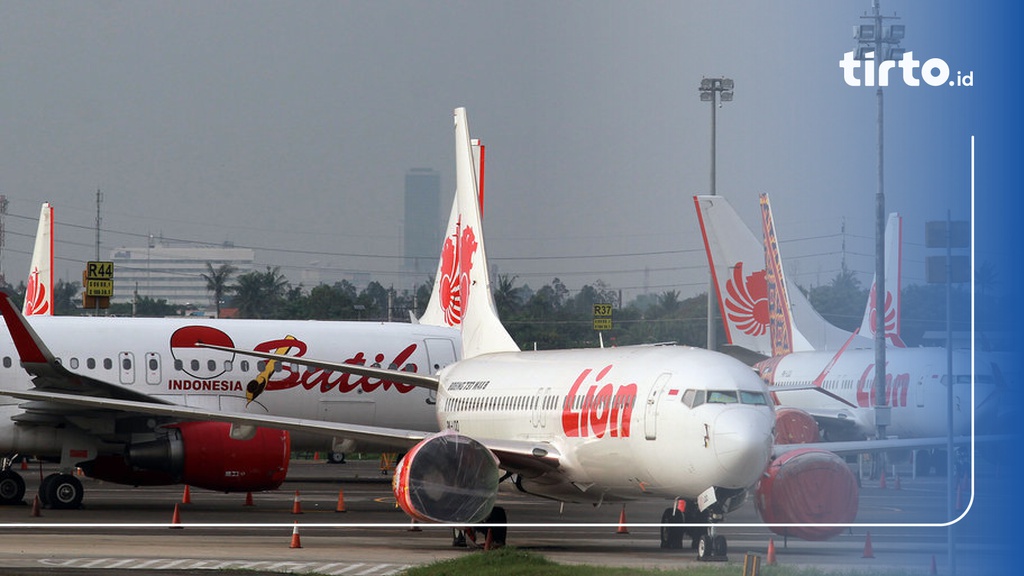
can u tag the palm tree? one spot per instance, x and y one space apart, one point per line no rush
217 282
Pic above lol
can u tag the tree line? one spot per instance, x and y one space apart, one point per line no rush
548 317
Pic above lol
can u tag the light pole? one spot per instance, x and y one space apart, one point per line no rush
714 90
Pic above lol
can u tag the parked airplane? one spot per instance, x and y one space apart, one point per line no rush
158 359
837 387
595 425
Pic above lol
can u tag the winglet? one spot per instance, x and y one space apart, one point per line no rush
30 348
39 294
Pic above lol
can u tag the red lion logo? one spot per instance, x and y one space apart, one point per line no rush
890 312
36 301
747 301
456 262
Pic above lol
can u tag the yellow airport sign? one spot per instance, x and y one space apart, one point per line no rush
99 288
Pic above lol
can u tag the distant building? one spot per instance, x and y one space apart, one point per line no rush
423 223
173 273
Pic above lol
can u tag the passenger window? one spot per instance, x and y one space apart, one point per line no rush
126 363
195 365
90 363
178 365
153 364
211 365
74 363
227 365
245 365
7 362
108 364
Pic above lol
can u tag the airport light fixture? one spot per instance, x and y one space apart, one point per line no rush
716 91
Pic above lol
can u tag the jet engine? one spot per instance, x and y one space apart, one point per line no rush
202 454
794 426
807 486
447 477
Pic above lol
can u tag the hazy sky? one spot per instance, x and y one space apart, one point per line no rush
290 125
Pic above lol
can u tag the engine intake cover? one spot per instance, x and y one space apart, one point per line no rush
447 478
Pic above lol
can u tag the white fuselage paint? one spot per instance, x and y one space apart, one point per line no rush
137 354
916 389
617 418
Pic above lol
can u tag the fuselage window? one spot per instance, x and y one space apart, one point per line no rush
178 365
211 365
244 364
153 364
195 365
227 365
108 364
126 363
74 363
90 363
7 362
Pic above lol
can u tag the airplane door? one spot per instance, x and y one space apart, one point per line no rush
152 368
126 362
651 410
538 415
440 353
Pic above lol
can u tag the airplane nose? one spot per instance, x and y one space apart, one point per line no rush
743 443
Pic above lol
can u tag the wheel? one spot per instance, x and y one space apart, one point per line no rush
498 533
704 548
336 457
719 546
44 489
65 492
672 536
12 487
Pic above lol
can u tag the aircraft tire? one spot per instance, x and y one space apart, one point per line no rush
12 487
65 492
719 547
499 534
704 548
336 457
672 536
44 489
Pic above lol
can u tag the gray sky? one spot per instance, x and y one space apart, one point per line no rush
291 125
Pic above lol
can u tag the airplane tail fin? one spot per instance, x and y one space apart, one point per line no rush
39 295
435 314
893 271
781 327
464 288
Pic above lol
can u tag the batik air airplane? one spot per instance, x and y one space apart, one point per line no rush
159 360
836 387
687 426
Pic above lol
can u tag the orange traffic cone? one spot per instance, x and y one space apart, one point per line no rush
186 496
36 507
881 482
489 540
316 456
248 499
341 501
933 570
295 537
297 504
24 463
622 522
176 517
868 553
771 552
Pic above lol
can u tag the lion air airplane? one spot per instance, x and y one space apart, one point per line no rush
837 387
687 426
158 360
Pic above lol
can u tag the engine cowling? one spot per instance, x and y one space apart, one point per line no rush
795 426
808 486
205 455
447 477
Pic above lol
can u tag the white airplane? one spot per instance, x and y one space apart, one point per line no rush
837 387
684 425
39 292
158 360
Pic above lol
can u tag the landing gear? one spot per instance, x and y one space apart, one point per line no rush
467 537
61 492
12 487
336 457
672 536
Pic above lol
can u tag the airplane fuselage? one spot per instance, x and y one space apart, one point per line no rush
628 422
159 357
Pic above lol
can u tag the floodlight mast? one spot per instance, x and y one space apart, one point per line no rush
714 90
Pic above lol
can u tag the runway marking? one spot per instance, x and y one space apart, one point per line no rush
328 568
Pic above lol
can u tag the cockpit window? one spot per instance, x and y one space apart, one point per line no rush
722 397
694 398
756 398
